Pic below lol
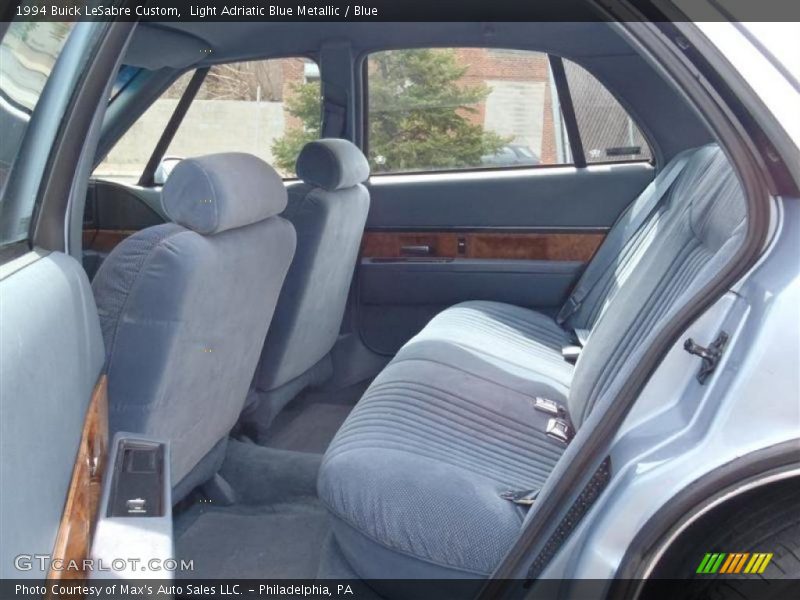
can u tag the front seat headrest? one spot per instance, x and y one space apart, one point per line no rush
214 193
332 164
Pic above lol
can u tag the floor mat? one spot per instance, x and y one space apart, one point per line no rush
274 542
309 422
277 527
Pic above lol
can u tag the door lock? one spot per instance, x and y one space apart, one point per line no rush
710 356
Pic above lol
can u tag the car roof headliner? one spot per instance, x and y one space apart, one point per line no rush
183 44
660 111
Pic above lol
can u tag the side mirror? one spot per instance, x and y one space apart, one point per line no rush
164 169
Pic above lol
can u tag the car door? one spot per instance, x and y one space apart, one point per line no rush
54 81
496 175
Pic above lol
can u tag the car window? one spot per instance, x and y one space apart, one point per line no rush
471 108
608 133
28 53
130 154
269 108
461 108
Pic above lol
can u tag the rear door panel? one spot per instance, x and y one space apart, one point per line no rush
545 197
520 236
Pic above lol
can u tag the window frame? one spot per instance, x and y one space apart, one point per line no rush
26 181
147 178
177 116
655 152
116 91
362 66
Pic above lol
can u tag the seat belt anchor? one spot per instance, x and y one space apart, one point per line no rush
520 497
549 407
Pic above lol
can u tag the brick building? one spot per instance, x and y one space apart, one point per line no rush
519 105
520 102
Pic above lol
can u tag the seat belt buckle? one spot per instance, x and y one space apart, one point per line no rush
560 429
547 406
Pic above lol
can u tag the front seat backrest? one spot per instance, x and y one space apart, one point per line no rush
328 210
185 306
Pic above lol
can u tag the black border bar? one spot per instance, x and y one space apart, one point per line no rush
699 587
396 10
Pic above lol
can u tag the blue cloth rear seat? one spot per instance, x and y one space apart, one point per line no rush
415 475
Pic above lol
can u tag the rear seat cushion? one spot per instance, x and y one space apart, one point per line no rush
505 343
418 468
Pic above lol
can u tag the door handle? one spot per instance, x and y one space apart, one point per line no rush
419 250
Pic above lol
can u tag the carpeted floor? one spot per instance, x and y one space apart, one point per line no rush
277 528
309 422
270 542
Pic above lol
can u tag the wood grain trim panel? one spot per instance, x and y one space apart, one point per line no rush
75 531
104 240
490 245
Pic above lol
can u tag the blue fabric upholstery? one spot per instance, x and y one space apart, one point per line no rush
184 317
627 245
329 227
332 164
699 234
213 193
417 469
419 465
499 341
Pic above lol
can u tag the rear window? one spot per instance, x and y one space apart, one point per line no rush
441 109
608 133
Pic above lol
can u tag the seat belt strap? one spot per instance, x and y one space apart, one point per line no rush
334 118
337 86
603 260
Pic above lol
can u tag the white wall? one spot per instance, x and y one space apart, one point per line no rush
516 109
209 126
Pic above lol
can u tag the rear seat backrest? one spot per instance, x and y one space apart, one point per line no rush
689 247
625 244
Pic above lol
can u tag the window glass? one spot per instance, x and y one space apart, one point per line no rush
130 154
607 132
269 108
463 108
28 53
125 75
